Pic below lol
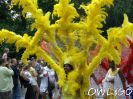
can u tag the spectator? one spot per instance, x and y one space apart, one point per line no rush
51 82
113 81
34 75
44 82
32 88
16 81
38 66
6 81
24 80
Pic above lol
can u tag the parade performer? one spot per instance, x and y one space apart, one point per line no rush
113 82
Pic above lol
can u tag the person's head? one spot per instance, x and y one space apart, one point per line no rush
68 68
27 67
39 61
33 59
33 62
44 64
112 65
20 62
14 61
29 63
6 50
9 59
8 62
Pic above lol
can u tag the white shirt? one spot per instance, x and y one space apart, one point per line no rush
29 76
44 80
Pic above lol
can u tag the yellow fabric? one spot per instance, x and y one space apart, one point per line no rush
33 72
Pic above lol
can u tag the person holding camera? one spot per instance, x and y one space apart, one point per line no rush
6 81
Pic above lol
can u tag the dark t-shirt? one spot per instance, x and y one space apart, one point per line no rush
15 76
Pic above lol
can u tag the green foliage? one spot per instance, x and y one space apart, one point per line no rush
116 12
13 20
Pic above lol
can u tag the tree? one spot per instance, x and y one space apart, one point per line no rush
13 20
115 13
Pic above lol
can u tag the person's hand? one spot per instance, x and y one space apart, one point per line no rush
22 70
7 65
103 80
45 74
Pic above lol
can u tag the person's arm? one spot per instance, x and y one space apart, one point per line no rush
4 57
41 75
94 77
33 72
9 71
23 75
123 80
105 79
56 77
